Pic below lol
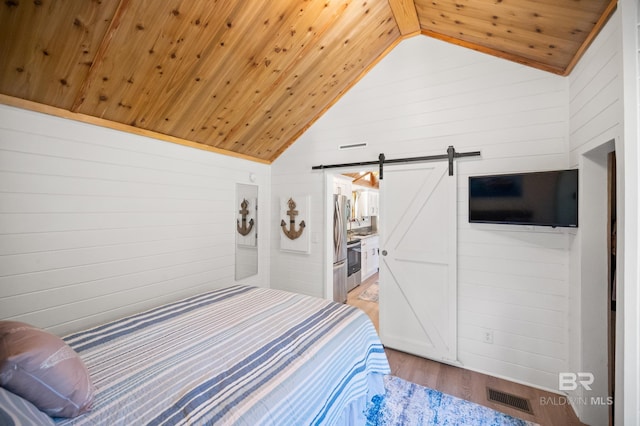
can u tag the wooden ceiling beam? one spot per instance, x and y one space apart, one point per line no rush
368 179
406 16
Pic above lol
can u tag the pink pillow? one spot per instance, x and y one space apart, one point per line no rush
44 370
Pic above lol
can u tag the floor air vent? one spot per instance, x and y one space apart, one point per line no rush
509 400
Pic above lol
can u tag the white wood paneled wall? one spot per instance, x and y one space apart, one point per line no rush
96 224
596 112
628 347
631 349
298 272
424 96
596 93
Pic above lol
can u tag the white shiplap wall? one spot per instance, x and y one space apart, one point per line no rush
596 120
596 93
632 311
628 377
297 271
97 223
424 96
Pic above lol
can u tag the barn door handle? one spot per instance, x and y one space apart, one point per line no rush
384 252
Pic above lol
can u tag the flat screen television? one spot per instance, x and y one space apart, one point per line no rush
537 198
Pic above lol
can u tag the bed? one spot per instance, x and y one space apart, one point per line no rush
240 355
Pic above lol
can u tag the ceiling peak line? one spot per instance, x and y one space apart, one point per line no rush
406 16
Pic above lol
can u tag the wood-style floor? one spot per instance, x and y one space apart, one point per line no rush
547 407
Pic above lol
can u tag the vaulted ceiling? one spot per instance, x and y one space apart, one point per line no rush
247 78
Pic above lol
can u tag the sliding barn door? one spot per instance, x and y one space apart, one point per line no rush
418 292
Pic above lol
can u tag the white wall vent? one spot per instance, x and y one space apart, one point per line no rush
352 146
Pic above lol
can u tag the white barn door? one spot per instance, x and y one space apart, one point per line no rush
418 289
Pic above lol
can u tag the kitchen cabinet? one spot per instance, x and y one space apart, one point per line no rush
369 256
367 203
342 185
363 259
359 204
374 204
375 254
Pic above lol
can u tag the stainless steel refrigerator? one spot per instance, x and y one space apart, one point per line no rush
340 215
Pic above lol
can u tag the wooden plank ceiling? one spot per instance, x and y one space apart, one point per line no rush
248 78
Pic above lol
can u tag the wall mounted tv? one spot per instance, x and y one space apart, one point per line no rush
537 198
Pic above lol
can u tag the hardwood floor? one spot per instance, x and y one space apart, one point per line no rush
369 308
548 408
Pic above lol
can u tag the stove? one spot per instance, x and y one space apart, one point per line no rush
354 256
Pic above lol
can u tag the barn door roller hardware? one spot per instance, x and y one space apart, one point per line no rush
450 156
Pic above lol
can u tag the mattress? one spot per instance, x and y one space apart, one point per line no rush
240 355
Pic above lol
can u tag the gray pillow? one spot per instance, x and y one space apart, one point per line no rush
17 411
43 369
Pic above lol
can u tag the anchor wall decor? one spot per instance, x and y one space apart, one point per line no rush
291 233
244 229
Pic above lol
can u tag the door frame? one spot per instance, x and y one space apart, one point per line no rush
329 174
590 288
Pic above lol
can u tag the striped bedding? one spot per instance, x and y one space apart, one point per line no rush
241 355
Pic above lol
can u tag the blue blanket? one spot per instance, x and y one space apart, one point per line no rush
240 355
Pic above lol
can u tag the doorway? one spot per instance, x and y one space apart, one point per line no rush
361 186
416 200
594 352
361 230
612 273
